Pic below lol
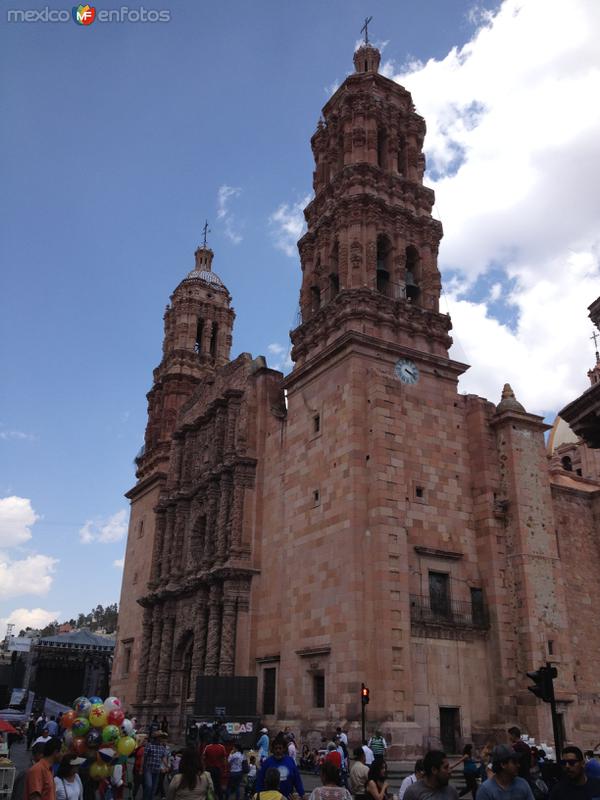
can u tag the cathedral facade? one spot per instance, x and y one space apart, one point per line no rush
358 521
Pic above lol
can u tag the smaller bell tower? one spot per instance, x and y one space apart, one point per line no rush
198 324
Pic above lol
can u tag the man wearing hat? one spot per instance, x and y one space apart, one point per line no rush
263 746
505 781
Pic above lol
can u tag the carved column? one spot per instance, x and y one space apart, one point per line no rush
232 413
214 631
176 459
227 658
168 550
223 514
166 655
211 518
154 654
219 441
200 631
145 651
181 522
157 556
237 513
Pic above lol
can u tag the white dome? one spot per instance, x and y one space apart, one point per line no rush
205 276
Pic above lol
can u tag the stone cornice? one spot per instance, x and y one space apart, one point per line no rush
189 584
146 485
521 419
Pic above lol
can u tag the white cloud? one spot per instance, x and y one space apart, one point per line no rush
28 618
513 149
281 357
119 563
287 225
16 519
31 575
6 435
224 195
106 531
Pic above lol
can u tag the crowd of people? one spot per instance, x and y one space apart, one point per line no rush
221 770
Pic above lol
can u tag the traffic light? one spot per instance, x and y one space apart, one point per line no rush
364 694
542 679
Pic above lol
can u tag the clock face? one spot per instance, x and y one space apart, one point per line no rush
407 371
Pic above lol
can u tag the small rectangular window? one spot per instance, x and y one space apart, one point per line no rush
269 685
316 496
550 647
316 423
477 607
439 594
127 659
419 492
319 691
140 528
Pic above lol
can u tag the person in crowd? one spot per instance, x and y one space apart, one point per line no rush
215 761
417 775
342 736
485 768
330 790
592 765
67 782
263 745
155 754
290 777
192 782
470 771
138 769
378 787
576 784
506 781
523 751
271 785
43 737
30 731
235 761
292 749
18 792
39 781
52 726
435 784
334 756
307 759
359 775
369 754
250 777
164 724
378 744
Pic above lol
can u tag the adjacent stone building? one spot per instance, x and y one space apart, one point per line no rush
358 520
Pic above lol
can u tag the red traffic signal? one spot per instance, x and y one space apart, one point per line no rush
364 694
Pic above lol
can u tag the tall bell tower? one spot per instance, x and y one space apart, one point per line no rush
369 256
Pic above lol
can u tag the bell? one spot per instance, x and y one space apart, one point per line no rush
412 289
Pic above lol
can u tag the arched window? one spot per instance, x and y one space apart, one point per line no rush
213 339
384 251
567 463
199 328
315 298
334 278
381 148
412 276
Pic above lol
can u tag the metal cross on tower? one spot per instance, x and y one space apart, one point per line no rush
365 28
206 231
595 337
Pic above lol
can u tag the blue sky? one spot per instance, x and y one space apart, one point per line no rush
118 140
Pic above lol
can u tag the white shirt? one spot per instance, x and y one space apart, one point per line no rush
369 755
292 750
408 781
42 739
343 738
68 790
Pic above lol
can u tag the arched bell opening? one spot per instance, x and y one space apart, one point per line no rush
384 256
412 274
382 142
334 276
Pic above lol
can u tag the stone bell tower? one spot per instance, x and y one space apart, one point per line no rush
198 324
369 256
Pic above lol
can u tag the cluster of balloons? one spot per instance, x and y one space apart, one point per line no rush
98 730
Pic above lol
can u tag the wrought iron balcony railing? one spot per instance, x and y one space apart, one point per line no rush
454 613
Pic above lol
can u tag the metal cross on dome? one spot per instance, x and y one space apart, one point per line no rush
365 28
206 230
594 336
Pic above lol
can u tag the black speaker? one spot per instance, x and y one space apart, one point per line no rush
218 696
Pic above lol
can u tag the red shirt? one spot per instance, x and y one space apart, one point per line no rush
39 779
215 756
335 758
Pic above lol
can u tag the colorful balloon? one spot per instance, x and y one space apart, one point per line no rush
67 719
115 717
94 700
112 704
82 706
97 716
110 733
127 727
126 745
80 727
99 771
94 738
79 746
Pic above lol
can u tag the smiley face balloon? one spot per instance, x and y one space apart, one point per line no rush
98 716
